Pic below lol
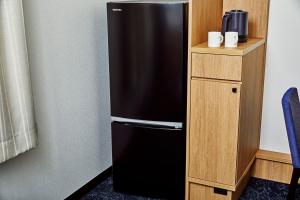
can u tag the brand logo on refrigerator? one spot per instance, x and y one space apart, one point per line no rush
117 9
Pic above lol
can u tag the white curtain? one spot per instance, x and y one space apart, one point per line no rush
17 125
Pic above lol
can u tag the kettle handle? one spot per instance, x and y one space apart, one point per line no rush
225 22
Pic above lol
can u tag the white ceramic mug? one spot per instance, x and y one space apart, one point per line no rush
215 39
231 39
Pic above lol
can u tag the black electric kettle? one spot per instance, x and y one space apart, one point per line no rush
236 21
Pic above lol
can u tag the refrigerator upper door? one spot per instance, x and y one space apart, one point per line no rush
147 58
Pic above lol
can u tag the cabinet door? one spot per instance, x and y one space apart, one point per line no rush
214 130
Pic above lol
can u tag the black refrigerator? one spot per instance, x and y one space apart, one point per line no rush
148 77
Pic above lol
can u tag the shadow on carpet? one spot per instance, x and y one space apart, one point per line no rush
257 189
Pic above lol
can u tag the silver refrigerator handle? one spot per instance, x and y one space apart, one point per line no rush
177 125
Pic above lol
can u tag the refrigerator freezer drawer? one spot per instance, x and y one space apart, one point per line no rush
148 162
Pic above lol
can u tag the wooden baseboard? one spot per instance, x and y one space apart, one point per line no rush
274 156
273 166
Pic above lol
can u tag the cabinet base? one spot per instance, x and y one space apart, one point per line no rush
204 192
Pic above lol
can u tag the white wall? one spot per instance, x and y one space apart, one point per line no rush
282 70
68 55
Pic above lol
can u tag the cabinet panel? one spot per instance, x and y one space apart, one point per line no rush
213 139
251 106
217 66
258 15
201 192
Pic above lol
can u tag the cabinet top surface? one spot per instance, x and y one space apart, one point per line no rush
242 49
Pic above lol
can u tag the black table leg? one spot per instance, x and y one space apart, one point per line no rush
293 184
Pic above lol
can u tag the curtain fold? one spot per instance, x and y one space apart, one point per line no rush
18 131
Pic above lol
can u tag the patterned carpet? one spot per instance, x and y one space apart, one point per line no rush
257 189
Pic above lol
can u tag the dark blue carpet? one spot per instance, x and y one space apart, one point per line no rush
257 189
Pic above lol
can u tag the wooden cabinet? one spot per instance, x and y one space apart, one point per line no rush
225 100
224 105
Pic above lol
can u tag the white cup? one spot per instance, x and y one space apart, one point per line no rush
231 39
215 39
